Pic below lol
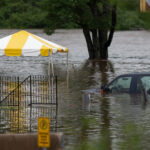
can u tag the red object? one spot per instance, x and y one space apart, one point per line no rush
102 91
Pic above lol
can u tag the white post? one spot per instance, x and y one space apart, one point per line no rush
52 70
49 66
67 69
49 74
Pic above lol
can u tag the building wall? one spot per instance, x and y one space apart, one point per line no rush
147 6
144 6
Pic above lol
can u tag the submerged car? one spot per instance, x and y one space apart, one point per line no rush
129 83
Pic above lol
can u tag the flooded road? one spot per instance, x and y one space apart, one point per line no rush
129 52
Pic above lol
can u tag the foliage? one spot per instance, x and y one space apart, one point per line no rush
75 13
21 14
132 138
129 21
130 17
60 14
145 17
102 143
129 5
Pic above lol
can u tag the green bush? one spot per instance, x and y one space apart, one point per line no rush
129 20
34 14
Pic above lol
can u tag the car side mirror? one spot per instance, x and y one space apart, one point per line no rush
103 86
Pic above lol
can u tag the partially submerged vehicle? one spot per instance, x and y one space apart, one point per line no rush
129 83
135 86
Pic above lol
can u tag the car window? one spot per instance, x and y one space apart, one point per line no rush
144 82
121 84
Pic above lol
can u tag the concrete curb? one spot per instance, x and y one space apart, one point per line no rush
28 141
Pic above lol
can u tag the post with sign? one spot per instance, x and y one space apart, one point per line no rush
44 132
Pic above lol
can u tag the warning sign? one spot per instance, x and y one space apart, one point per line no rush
43 132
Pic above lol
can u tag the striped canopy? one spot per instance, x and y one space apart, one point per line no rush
24 43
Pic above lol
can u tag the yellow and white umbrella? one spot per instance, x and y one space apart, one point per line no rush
24 43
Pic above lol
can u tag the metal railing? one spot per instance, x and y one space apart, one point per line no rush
22 102
7 84
24 120
32 90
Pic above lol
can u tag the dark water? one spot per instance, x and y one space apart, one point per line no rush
129 52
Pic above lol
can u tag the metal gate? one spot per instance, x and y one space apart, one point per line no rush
22 102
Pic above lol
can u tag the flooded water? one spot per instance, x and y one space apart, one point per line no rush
129 52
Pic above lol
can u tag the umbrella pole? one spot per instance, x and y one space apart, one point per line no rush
67 70
52 70
49 76
50 66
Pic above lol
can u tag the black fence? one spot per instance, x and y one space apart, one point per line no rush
7 84
24 120
22 102
32 90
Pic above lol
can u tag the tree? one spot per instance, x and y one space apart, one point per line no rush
21 14
97 18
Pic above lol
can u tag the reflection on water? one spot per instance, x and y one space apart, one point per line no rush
129 52
24 119
105 119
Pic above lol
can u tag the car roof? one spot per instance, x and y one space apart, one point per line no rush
136 74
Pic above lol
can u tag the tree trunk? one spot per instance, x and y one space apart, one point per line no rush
88 39
96 44
98 40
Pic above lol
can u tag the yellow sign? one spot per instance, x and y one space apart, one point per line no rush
43 132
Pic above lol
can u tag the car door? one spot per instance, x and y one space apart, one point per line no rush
143 83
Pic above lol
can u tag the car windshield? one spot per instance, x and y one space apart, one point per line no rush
121 84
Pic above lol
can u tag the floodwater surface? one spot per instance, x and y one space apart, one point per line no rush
81 120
